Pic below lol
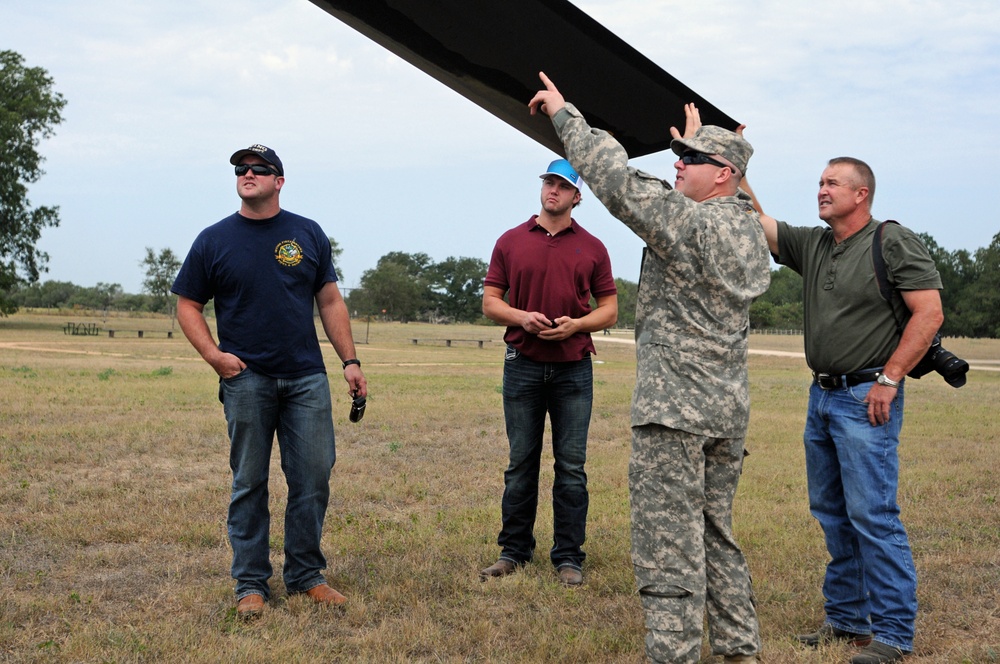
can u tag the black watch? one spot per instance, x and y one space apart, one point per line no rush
349 362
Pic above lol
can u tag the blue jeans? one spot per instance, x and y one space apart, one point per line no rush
564 390
853 473
299 411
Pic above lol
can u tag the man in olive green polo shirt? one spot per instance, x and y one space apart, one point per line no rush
859 360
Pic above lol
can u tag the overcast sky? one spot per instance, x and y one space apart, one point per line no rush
385 158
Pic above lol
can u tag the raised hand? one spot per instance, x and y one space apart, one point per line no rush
692 122
549 101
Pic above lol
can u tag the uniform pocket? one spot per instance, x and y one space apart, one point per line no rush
664 583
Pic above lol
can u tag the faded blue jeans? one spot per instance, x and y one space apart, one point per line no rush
853 473
564 390
299 411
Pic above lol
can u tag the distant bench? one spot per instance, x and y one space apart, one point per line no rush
448 342
111 333
87 329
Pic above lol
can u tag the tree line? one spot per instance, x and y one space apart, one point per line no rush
410 287
159 268
413 287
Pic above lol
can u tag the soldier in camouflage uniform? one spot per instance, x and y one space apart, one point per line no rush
705 260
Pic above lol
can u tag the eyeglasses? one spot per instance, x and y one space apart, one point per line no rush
258 169
695 158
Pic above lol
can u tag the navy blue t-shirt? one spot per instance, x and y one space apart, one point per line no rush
264 275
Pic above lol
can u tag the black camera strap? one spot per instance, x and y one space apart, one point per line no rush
885 288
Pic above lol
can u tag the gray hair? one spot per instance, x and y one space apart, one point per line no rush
865 176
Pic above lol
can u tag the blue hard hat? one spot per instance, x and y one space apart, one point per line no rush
563 169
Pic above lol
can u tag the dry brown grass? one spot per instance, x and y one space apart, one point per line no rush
115 482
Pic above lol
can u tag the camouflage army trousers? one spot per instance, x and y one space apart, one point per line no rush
685 559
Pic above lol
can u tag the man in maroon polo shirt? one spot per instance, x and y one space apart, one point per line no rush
549 268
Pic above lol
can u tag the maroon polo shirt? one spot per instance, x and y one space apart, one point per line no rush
553 275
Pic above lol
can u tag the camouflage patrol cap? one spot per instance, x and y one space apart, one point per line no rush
710 139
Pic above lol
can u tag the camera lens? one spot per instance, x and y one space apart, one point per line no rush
951 368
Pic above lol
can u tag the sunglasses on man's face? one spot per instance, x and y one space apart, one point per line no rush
258 169
695 158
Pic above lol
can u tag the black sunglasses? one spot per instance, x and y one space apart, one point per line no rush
695 158
258 169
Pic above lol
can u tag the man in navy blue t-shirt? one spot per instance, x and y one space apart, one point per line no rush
265 268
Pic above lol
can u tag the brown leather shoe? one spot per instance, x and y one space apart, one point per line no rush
570 576
251 606
324 594
502 567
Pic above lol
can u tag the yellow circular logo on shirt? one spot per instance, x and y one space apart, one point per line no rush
288 253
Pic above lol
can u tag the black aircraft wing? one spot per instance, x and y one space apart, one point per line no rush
491 51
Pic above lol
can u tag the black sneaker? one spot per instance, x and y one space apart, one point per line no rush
829 634
879 653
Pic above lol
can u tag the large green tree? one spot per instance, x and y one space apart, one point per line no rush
457 285
414 265
161 269
388 290
411 286
29 109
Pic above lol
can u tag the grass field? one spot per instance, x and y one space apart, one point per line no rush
114 483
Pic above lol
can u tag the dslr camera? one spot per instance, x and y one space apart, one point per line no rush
951 368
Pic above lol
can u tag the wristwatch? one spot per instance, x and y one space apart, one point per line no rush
347 363
885 380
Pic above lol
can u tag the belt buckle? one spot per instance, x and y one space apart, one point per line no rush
827 381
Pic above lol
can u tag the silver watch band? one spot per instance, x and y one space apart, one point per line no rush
885 380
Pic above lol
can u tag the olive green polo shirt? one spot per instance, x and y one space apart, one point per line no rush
848 326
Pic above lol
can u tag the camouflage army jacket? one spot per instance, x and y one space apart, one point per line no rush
704 263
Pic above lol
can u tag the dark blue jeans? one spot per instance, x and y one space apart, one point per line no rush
298 410
853 473
564 390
